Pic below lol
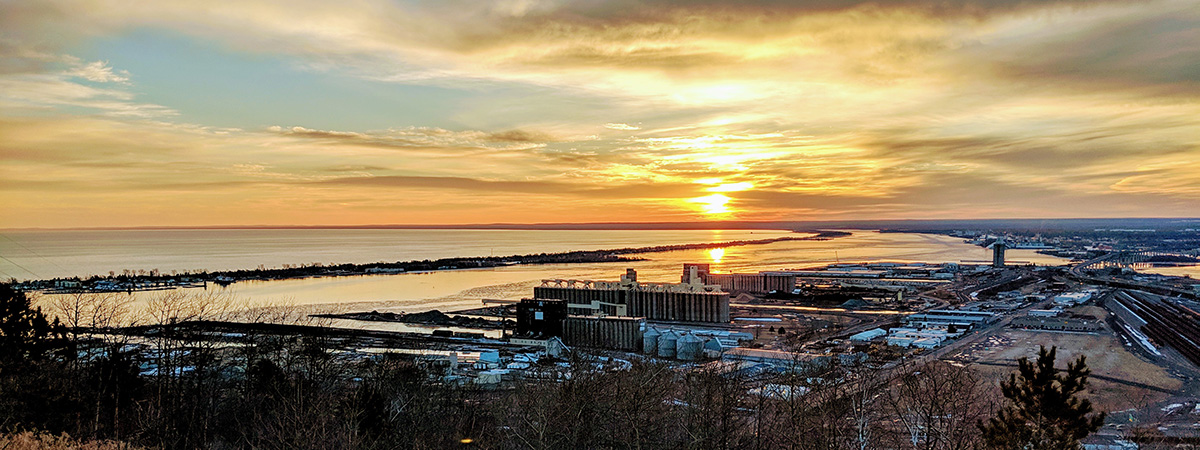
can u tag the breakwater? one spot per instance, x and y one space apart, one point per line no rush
154 280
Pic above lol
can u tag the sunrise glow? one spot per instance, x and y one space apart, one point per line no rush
268 112
730 187
715 204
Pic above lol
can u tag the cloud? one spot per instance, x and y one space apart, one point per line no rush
469 184
580 188
424 138
1152 49
679 54
520 136
827 109
39 81
100 72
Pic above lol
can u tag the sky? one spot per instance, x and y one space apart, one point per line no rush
299 112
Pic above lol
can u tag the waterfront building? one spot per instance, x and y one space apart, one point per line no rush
682 302
540 318
739 283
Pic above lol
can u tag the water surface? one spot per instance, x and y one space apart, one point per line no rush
460 289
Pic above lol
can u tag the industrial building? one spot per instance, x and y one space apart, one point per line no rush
540 319
947 317
868 336
914 338
1036 322
1044 312
683 302
739 283
614 333
884 275
689 344
1073 298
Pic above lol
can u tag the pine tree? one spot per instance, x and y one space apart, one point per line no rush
1043 410
24 332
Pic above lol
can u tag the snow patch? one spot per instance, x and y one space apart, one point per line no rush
1145 341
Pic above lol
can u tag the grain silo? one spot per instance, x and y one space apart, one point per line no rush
689 347
666 344
614 333
678 302
650 341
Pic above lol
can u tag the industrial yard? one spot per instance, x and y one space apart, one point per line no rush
1121 379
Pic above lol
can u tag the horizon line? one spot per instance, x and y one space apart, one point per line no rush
713 225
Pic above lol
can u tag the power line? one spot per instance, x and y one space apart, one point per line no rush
51 261
18 265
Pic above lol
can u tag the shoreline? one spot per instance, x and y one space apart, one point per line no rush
155 281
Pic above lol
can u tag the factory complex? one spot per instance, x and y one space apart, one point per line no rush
689 301
877 314
690 320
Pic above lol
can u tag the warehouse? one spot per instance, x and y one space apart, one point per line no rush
739 283
947 317
1057 323
682 302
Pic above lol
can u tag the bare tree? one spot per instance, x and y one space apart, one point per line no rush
187 365
179 305
716 410
937 406
89 310
837 410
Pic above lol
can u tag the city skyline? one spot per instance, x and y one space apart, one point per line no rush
183 113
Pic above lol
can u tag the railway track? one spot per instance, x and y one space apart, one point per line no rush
1166 323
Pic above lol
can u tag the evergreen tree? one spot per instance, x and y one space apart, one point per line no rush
25 334
35 390
1044 411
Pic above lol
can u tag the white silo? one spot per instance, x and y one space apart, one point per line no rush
689 347
666 344
650 341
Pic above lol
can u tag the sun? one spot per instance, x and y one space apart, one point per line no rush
715 204
716 254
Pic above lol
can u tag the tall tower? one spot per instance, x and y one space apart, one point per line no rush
693 273
998 248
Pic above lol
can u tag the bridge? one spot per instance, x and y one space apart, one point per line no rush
1121 259
1131 258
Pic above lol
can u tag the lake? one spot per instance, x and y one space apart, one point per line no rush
61 253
